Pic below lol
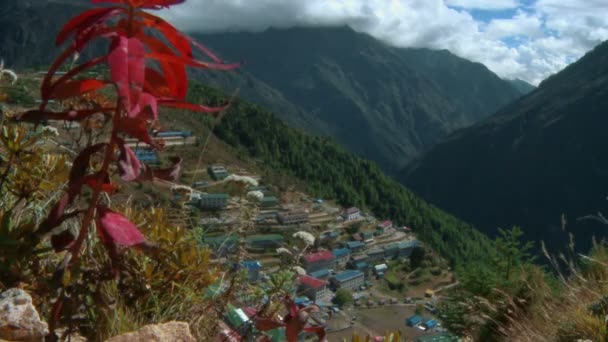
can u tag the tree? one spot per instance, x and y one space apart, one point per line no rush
417 256
512 252
343 297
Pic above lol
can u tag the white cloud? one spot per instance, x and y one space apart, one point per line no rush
484 4
537 40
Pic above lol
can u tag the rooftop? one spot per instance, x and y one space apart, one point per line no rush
320 273
265 237
214 196
311 282
354 244
348 275
386 224
409 244
319 256
375 251
351 210
340 252
252 265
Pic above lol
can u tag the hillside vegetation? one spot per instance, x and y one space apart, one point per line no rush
328 171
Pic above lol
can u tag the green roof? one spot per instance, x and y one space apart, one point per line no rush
215 196
255 238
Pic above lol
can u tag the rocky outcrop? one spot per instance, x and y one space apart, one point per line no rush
166 332
19 320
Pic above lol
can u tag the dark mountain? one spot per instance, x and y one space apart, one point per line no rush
384 103
523 86
537 158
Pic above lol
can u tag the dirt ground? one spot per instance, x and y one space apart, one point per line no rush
375 321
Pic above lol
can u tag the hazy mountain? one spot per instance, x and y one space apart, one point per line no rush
523 86
384 103
537 158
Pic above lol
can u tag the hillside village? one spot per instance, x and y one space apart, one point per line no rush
352 251
345 249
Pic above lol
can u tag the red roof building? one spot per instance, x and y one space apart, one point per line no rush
320 260
311 282
313 288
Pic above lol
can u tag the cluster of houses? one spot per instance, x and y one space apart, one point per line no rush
351 266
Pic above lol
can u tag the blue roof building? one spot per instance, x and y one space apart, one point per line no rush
320 274
253 269
414 320
342 255
431 323
406 248
355 245
350 279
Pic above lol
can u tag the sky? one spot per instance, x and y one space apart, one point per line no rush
525 39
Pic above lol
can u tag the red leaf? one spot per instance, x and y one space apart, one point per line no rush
320 331
85 20
118 229
265 324
75 88
62 241
48 87
137 128
191 62
206 51
101 183
174 74
37 115
150 4
171 173
129 166
81 163
192 107
156 84
127 70
175 37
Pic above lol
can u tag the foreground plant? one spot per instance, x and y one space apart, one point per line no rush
139 90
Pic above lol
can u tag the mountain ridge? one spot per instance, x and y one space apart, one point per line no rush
386 104
532 161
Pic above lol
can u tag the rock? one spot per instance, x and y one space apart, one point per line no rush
19 320
166 332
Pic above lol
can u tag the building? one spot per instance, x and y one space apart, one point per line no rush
391 250
414 320
253 269
264 241
212 201
359 258
380 270
313 288
270 201
363 267
350 280
293 217
406 248
221 245
218 172
355 246
342 255
320 260
375 255
320 274
351 214
384 226
367 237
